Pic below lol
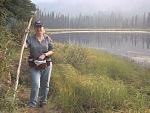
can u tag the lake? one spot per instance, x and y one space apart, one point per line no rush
135 46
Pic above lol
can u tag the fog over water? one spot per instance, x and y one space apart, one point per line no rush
90 6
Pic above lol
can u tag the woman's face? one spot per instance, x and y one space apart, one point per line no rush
39 30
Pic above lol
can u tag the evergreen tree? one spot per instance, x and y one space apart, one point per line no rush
16 9
148 20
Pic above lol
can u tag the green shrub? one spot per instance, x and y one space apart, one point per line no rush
7 55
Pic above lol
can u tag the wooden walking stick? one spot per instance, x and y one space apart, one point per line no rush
22 50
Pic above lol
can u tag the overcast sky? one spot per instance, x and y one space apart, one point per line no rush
126 6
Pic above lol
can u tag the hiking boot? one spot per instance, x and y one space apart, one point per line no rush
31 105
41 104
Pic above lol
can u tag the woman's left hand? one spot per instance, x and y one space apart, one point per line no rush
42 57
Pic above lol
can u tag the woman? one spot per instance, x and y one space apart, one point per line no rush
41 49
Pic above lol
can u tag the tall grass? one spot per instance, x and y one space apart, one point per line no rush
91 81
87 93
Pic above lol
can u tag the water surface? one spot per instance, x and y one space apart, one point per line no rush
135 46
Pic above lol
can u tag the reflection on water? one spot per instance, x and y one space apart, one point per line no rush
135 46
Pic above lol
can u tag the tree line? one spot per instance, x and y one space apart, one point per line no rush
15 10
97 20
14 16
